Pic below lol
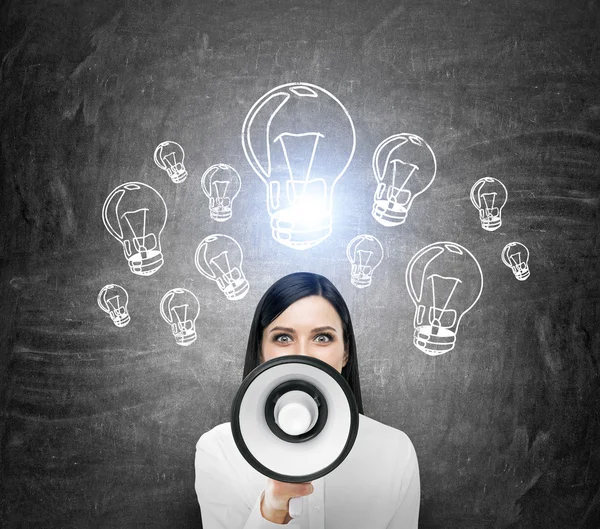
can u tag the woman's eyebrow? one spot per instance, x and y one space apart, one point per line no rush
325 328
284 329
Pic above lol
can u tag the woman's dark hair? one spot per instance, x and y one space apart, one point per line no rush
279 297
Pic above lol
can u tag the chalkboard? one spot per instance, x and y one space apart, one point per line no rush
499 101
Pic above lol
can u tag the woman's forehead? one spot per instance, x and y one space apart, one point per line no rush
310 311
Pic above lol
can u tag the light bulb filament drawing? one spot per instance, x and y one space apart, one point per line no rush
135 214
180 308
219 258
516 256
221 184
488 196
113 300
404 166
299 139
169 156
444 281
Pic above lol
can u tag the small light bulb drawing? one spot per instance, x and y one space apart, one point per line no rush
221 184
135 215
219 258
180 308
365 253
113 300
516 256
444 281
169 156
299 139
489 196
404 166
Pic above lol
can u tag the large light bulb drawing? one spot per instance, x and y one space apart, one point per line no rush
113 300
299 139
444 281
365 253
135 214
219 258
169 156
516 256
180 308
489 195
221 184
404 166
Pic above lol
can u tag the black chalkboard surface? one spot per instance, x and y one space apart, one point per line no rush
99 418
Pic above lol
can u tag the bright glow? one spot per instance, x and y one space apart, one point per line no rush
299 139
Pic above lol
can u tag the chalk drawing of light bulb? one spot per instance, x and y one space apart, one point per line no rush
113 300
365 253
180 308
516 256
299 139
444 281
404 166
221 184
219 258
489 195
135 214
169 156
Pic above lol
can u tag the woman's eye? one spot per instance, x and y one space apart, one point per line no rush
323 338
283 338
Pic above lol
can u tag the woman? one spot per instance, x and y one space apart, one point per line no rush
376 486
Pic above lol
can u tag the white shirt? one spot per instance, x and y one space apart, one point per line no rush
377 486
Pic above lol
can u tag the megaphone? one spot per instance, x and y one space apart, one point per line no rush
294 419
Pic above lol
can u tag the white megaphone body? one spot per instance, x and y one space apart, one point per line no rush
294 419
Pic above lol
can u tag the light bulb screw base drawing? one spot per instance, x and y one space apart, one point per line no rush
186 338
237 289
522 275
220 214
177 177
290 234
360 280
122 321
145 265
491 224
389 213
433 342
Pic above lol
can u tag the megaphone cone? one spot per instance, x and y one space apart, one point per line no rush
294 418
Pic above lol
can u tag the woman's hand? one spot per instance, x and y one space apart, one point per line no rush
277 494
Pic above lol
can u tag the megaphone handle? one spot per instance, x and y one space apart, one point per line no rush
295 507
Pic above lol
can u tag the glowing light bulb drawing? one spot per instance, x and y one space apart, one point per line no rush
365 253
169 156
219 258
113 300
180 308
516 256
489 195
404 166
135 214
299 139
221 184
444 281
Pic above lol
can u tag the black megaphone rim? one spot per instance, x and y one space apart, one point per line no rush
293 359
